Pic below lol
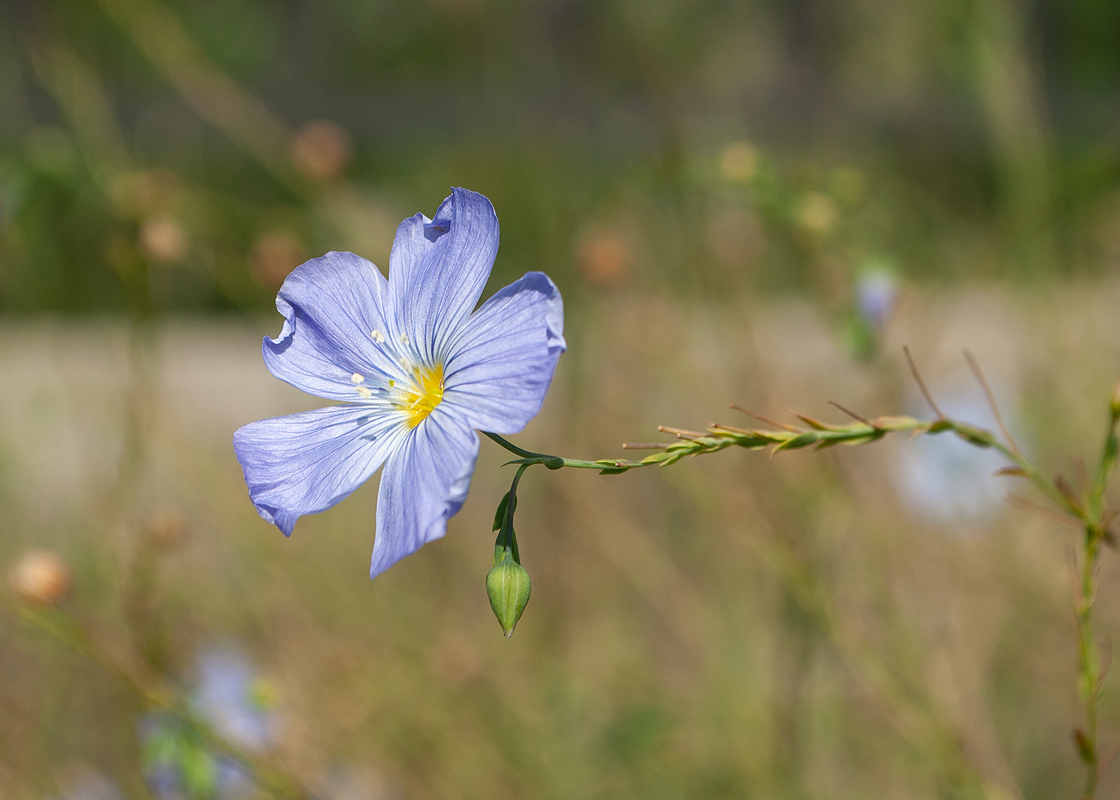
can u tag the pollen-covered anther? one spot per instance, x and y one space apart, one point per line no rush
357 377
377 336
404 338
365 392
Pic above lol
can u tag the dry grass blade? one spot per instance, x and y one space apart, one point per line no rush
921 383
1080 474
680 434
974 365
852 414
1027 505
812 422
1066 491
718 426
642 446
767 420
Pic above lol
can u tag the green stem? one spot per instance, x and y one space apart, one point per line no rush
507 538
1089 661
1089 511
528 457
1091 676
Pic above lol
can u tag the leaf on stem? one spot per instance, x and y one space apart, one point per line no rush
500 514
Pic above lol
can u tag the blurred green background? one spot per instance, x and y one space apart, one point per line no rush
749 202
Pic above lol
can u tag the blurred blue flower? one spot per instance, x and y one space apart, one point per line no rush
947 479
417 372
876 293
229 697
179 762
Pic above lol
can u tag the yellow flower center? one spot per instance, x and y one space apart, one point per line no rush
421 398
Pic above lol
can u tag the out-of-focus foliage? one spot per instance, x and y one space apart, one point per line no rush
154 154
756 202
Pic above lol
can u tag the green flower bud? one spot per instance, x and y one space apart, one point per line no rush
1115 405
507 585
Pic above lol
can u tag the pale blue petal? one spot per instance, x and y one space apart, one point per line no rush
332 305
305 463
503 358
438 268
424 483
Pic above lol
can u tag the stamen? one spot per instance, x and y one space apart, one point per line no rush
365 392
419 395
357 378
377 336
404 338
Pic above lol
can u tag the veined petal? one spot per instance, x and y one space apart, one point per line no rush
307 462
332 305
438 268
504 356
424 484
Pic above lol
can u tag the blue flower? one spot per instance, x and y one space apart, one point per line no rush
943 478
232 698
416 370
876 295
227 696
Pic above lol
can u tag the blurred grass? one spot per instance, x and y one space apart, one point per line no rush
706 182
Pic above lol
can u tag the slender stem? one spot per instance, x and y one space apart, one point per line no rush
1088 660
507 537
528 457
1091 675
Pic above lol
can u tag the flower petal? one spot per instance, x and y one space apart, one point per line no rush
504 356
331 307
307 462
438 268
424 484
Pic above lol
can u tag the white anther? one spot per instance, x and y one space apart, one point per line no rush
377 336
364 392
357 378
404 338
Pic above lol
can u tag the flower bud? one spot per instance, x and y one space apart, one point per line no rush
41 578
507 584
164 240
1115 403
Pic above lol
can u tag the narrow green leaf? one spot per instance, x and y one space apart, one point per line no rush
799 441
500 515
